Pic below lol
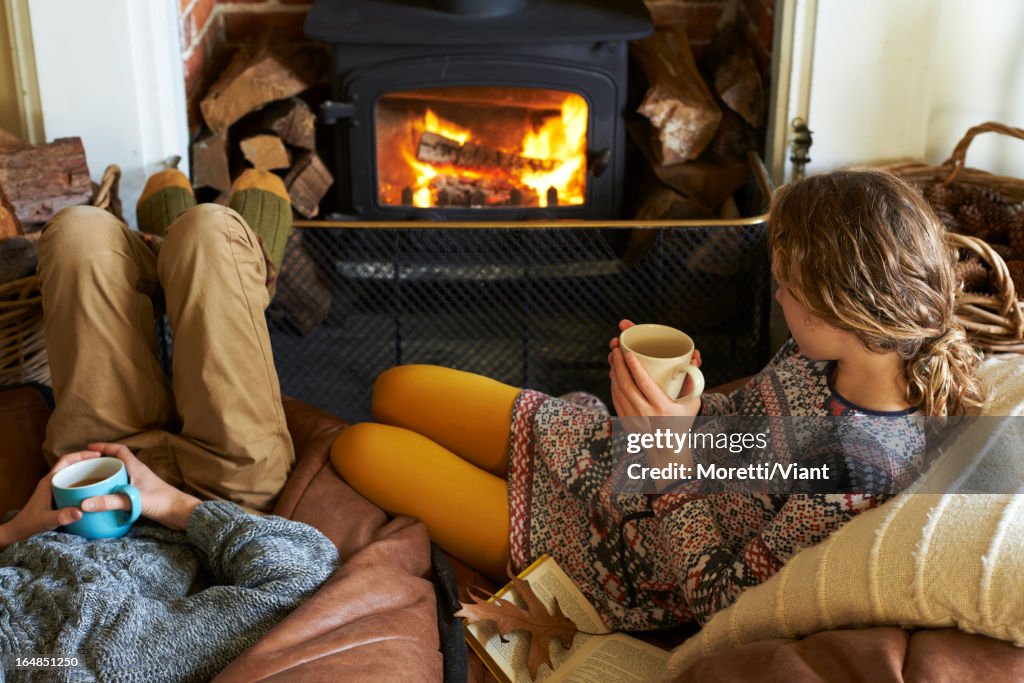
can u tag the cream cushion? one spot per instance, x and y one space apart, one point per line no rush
921 560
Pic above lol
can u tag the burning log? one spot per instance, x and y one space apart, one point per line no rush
438 149
453 191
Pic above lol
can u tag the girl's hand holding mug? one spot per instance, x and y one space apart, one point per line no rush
634 392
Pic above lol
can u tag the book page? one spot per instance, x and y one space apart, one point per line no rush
549 582
617 657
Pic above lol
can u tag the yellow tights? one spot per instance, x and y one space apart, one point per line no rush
439 452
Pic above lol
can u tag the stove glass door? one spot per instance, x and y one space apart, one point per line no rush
481 147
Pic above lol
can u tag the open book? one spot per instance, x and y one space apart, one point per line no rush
591 659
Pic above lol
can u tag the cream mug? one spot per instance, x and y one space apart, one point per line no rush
665 353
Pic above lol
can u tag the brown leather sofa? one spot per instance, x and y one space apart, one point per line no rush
375 618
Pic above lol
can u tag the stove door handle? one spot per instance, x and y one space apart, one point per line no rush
331 112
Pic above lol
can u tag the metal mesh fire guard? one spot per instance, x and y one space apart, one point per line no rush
532 305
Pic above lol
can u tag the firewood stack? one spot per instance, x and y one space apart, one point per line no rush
255 118
699 122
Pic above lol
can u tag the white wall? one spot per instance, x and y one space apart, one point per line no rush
978 75
897 79
110 71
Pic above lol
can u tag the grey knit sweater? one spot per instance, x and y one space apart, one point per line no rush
157 605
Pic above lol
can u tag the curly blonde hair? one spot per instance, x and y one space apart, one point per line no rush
862 251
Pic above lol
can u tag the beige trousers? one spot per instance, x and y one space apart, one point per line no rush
218 429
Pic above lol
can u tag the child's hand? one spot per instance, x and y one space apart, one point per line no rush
623 326
635 393
161 502
38 514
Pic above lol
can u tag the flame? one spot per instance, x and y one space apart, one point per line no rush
559 139
452 131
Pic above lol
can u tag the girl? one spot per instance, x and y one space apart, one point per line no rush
867 288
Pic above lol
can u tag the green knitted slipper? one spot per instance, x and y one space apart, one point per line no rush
262 200
166 195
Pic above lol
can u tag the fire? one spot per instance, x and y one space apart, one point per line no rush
448 129
506 155
564 139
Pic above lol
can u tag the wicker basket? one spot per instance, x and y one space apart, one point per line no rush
995 321
22 346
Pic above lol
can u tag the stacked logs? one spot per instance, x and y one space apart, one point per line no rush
700 121
255 117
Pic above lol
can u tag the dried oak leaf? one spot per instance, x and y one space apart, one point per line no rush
540 625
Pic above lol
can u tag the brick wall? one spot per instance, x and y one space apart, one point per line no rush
212 29
702 20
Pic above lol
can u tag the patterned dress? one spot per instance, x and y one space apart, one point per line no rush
656 561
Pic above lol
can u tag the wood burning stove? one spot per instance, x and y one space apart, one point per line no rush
478 109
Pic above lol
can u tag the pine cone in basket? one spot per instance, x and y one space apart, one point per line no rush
974 275
941 199
1005 251
971 221
999 213
1016 269
1017 239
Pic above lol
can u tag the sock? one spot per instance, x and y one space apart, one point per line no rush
164 197
262 200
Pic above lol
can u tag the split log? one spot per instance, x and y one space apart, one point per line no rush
437 149
678 102
210 166
255 77
293 121
303 300
735 138
266 152
307 183
707 180
738 83
10 142
40 181
664 203
661 203
9 223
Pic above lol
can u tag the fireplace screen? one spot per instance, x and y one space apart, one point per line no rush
482 147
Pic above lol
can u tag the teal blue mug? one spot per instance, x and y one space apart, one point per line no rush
96 477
